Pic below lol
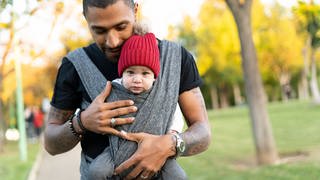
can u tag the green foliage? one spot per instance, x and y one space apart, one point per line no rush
214 41
187 34
217 46
279 55
4 3
231 154
308 15
40 59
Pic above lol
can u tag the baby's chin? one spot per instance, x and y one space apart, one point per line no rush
135 91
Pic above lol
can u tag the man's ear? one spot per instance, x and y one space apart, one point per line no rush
136 8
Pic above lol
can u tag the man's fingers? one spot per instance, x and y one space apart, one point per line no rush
145 175
105 93
118 104
125 165
112 131
122 121
134 174
121 111
137 137
117 121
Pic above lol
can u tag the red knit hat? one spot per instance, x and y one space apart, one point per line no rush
140 50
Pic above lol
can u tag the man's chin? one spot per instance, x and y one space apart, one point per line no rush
112 58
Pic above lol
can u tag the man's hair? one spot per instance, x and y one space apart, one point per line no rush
103 4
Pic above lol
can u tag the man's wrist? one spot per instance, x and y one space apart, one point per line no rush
172 145
76 123
78 118
74 128
179 144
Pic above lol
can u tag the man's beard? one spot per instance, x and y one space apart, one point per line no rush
113 59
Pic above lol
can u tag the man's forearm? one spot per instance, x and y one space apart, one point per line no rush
59 139
58 136
197 138
198 135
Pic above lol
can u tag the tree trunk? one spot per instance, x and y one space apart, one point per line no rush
285 87
256 98
303 86
214 97
237 94
314 81
224 103
2 127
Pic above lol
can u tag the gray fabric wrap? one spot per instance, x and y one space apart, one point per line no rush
155 108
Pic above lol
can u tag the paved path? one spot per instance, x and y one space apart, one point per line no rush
59 167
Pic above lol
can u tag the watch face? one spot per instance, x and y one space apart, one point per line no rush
182 147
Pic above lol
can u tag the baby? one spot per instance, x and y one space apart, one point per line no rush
138 67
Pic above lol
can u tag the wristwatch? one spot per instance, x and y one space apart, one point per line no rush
180 145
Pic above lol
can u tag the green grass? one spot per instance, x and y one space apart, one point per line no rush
11 167
231 155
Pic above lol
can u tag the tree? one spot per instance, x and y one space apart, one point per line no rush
308 15
263 138
281 56
218 56
226 52
15 29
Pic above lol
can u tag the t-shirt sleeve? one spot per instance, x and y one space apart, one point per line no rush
190 77
66 94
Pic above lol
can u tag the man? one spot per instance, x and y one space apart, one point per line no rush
110 24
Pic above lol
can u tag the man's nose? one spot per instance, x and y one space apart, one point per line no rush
112 40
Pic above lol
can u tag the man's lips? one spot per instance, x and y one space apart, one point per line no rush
112 52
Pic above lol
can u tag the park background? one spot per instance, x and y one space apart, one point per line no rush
36 34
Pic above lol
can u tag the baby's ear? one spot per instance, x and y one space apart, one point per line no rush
140 28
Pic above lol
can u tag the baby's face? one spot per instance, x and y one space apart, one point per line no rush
138 79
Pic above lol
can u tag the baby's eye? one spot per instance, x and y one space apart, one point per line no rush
146 73
130 72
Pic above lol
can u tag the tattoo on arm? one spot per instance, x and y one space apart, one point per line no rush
59 115
198 135
198 94
59 137
196 139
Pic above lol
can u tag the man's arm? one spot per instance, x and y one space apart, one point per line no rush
197 136
154 150
58 137
96 118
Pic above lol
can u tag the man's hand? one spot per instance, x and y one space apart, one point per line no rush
150 156
97 117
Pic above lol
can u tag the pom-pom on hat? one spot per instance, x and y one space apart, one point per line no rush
140 50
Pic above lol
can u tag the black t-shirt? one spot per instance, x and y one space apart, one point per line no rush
69 90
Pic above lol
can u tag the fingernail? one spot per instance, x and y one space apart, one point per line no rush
131 102
123 132
132 118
